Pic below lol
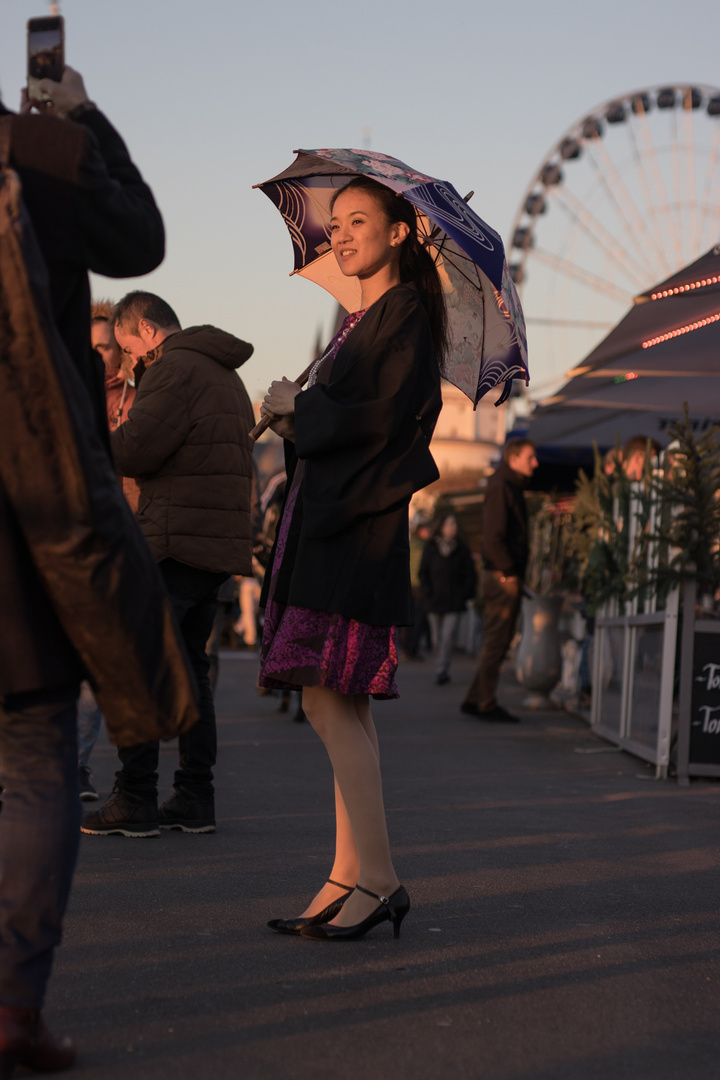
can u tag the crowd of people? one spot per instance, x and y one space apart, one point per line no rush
166 406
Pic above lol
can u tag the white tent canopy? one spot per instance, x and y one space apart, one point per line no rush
664 352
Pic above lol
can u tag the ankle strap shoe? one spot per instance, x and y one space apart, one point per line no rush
394 908
294 926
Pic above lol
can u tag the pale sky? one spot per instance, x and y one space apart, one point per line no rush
213 97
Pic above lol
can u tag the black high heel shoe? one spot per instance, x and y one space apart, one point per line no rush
394 908
294 926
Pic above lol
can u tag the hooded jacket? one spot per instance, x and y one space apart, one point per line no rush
186 442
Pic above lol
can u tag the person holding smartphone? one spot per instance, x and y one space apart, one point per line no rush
90 210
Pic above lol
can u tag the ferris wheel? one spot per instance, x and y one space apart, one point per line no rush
627 196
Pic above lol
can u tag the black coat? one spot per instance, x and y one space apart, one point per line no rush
90 210
186 440
505 528
364 439
447 581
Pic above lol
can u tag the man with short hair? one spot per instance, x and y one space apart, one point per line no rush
505 552
186 441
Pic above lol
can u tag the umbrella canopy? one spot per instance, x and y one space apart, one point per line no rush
487 330
664 352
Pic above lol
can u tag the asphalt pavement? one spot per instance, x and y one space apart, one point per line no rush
564 921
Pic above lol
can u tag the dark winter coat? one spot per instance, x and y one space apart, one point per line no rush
186 441
79 591
364 439
505 528
447 581
91 210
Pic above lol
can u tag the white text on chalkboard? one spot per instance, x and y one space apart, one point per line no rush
712 679
710 724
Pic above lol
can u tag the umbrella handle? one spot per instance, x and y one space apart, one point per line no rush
266 421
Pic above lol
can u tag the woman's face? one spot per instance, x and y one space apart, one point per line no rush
363 240
449 528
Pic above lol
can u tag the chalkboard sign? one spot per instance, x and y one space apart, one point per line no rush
698 742
705 701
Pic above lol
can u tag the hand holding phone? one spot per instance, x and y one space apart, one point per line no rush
65 95
45 53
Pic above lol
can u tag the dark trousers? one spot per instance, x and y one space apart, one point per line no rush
193 594
502 605
413 635
39 835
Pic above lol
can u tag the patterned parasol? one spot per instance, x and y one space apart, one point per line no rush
487 329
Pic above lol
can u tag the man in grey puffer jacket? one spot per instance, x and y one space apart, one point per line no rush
186 442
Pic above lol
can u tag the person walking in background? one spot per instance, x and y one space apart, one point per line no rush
248 600
505 549
225 602
89 720
448 580
187 441
419 630
90 210
338 583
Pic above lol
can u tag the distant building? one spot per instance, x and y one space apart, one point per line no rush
466 440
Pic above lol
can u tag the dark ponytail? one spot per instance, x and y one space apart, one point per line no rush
417 266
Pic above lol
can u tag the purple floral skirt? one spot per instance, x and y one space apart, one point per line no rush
303 647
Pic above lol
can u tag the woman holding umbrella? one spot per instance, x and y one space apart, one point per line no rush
338 583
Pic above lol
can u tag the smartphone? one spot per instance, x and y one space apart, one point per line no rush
45 52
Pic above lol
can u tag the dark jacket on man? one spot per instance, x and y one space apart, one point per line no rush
91 210
186 442
505 528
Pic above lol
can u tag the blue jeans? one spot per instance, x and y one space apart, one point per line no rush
88 723
193 594
39 836
444 627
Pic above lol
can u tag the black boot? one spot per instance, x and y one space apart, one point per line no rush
187 812
87 788
24 1040
125 814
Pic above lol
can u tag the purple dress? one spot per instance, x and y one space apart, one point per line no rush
304 647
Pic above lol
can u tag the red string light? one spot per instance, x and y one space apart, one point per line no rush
680 330
703 283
